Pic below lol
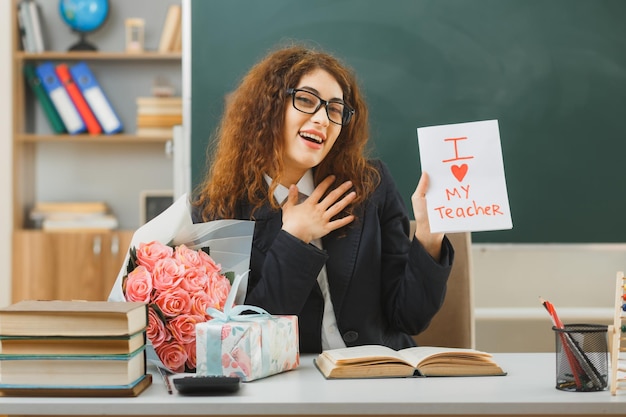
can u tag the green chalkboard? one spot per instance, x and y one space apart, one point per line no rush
552 72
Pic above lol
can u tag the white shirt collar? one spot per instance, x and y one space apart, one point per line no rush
305 186
331 337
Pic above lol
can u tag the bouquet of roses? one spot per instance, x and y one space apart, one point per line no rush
168 266
179 285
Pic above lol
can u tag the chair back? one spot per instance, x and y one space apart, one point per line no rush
453 325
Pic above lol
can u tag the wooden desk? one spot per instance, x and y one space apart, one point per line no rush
528 389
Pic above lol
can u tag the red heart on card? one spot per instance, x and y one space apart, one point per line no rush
459 172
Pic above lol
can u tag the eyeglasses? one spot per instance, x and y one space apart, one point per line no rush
305 101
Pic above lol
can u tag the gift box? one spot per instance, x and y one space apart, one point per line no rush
247 347
250 346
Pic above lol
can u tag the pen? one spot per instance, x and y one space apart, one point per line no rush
574 365
165 375
577 358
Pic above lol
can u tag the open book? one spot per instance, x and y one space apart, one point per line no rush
375 361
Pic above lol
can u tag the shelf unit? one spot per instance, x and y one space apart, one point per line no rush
62 167
21 135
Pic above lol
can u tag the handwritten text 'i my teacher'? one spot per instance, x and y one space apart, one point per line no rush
463 192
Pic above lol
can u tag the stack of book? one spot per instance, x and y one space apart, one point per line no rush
156 116
66 215
73 348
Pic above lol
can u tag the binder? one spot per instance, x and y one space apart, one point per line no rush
95 97
62 101
63 72
33 80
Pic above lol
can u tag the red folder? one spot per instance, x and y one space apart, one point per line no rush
93 127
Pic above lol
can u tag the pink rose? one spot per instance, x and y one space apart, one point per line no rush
156 332
167 274
188 257
173 355
199 304
190 348
183 328
138 285
173 302
149 253
218 290
194 279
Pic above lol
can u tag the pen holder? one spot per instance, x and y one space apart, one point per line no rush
581 357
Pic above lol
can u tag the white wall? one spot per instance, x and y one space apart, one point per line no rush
6 154
579 279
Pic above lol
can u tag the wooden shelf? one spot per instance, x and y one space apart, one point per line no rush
92 56
116 139
112 168
78 231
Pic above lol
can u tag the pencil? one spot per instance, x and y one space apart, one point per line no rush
166 379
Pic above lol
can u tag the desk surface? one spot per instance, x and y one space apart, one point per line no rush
527 389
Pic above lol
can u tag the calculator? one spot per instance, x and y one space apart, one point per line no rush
207 384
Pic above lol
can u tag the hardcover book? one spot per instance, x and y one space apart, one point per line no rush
91 207
73 318
66 345
376 361
35 16
97 222
159 120
71 371
175 102
172 25
129 390
157 132
26 26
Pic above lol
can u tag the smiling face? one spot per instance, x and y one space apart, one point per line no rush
309 137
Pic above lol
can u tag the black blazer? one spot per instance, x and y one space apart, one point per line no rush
384 287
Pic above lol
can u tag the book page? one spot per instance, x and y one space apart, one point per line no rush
467 191
361 354
421 354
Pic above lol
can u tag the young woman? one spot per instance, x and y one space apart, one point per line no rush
331 240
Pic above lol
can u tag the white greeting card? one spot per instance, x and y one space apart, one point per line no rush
467 191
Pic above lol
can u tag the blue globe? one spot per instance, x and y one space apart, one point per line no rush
84 16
